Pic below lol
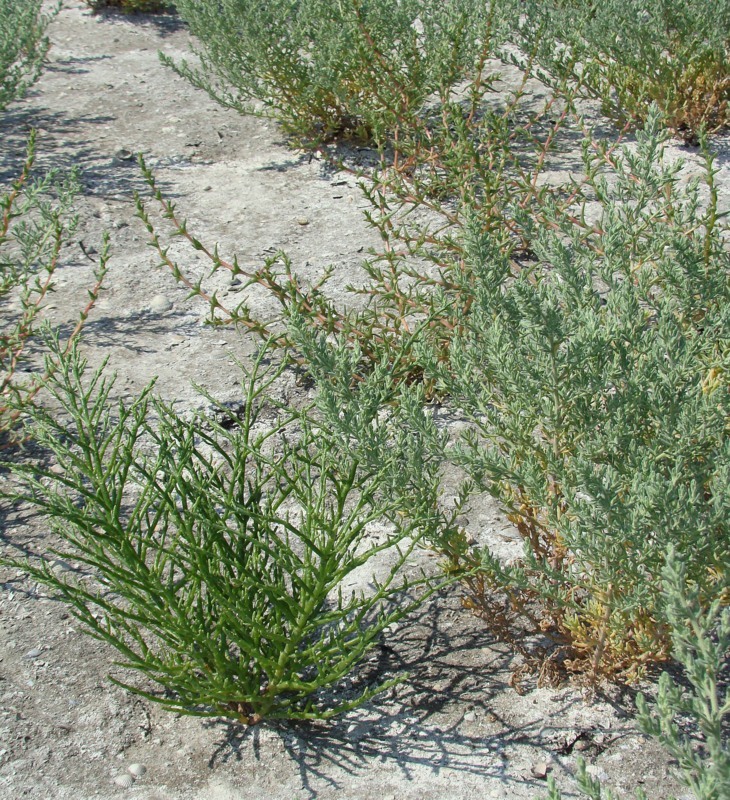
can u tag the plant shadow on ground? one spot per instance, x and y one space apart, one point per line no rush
100 174
111 331
165 23
719 145
13 523
453 670
17 531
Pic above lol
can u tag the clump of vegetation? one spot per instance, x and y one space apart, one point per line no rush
325 69
701 644
23 46
580 326
220 558
594 369
35 222
462 159
632 54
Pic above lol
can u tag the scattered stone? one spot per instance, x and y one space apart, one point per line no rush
597 772
137 770
540 770
34 653
124 781
160 304
470 716
175 342
124 155
302 220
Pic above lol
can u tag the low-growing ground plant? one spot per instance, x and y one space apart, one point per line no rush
220 558
334 67
594 369
582 327
701 644
23 46
36 220
327 68
632 53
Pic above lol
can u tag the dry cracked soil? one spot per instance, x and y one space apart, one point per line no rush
459 728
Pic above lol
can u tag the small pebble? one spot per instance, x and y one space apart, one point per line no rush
159 303
34 653
597 772
470 716
124 781
302 220
540 770
137 770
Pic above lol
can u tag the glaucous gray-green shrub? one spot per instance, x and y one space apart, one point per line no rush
23 46
701 644
594 368
632 53
590 353
219 558
330 67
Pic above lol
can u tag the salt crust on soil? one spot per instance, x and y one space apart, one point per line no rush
456 729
